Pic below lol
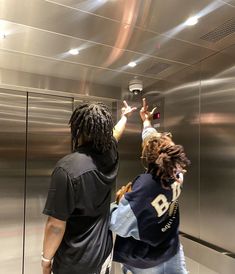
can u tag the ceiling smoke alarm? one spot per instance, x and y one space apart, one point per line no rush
135 86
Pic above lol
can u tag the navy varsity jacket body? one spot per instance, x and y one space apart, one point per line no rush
146 222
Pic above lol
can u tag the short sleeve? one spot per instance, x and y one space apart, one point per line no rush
60 199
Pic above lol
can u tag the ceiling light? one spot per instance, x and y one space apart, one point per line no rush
74 51
191 21
132 64
2 35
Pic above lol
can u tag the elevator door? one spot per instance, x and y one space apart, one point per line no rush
12 179
48 141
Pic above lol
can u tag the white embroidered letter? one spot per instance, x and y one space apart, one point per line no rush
176 189
161 204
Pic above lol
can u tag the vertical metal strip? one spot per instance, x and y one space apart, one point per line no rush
25 184
73 107
199 148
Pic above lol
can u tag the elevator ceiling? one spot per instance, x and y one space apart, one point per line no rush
111 33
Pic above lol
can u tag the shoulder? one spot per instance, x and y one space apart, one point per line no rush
143 186
76 163
143 179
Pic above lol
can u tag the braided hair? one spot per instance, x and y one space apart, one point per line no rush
92 121
164 157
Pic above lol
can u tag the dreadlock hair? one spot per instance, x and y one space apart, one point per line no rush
164 157
92 121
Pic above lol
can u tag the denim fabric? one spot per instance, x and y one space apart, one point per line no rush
123 220
175 265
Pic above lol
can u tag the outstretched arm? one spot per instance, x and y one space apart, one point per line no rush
146 117
121 124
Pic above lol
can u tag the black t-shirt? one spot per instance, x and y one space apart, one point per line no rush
80 194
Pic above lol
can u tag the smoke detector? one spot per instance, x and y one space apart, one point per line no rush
135 86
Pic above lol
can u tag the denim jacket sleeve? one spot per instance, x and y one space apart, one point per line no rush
123 220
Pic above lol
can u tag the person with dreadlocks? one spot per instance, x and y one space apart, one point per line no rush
76 238
146 219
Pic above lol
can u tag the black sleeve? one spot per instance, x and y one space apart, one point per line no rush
60 199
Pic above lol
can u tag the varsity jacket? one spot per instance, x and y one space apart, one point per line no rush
146 221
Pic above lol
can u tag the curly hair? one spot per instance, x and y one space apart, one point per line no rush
94 122
164 157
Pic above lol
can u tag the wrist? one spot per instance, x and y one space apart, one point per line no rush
46 260
146 123
124 117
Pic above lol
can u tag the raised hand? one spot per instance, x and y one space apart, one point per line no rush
144 113
127 110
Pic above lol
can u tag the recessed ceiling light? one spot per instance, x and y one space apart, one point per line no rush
74 51
2 35
132 64
191 21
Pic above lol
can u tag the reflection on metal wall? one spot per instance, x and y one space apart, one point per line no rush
200 113
48 141
181 118
12 179
218 154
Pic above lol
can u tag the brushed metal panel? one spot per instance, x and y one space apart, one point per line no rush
217 152
229 2
212 15
58 86
209 261
182 119
109 35
91 53
61 19
148 42
109 9
49 67
48 141
12 179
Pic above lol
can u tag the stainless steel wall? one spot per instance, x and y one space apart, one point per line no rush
48 140
182 119
34 135
217 153
200 110
12 179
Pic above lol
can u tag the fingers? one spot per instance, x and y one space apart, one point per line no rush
144 103
133 109
145 106
153 110
125 104
127 110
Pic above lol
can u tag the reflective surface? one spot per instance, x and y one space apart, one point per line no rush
181 118
218 153
48 141
199 110
12 179
109 35
194 76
